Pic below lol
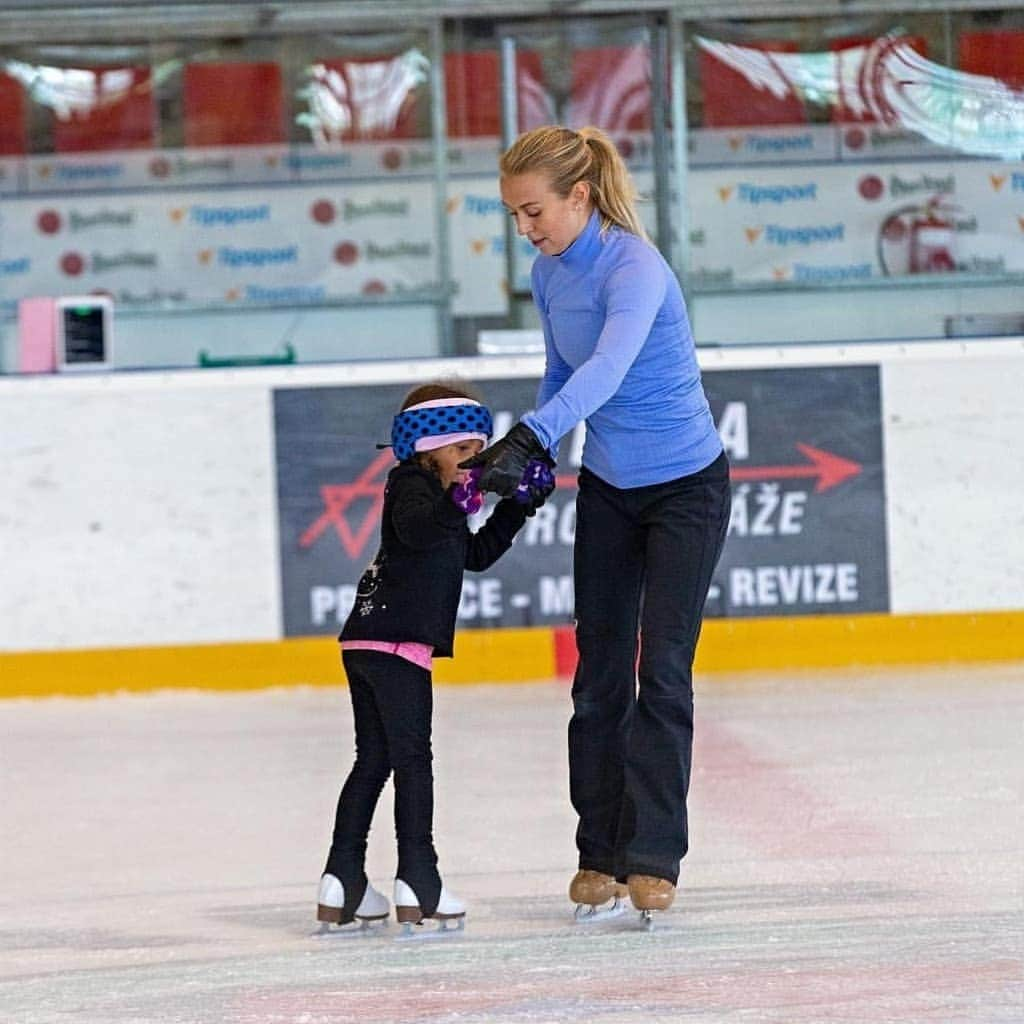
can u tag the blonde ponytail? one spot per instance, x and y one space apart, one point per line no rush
566 156
611 184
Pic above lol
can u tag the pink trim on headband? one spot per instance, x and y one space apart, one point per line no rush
440 403
429 444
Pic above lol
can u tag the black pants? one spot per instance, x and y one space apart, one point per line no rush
643 561
392 701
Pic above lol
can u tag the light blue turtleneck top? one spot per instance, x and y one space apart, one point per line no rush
620 355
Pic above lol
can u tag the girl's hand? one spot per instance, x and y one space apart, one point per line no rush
466 494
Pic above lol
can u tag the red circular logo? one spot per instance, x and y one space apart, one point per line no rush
392 159
871 186
374 287
48 222
346 253
855 138
72 264
159 167
322 211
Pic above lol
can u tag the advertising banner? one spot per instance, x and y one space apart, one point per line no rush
822 225
807 534
251 226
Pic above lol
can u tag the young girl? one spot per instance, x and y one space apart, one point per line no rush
404 616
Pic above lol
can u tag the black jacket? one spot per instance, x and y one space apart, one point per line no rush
410 591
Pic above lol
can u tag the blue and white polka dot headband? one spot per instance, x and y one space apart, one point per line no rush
440 421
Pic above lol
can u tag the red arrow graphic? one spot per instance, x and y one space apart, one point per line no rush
338 497
830 469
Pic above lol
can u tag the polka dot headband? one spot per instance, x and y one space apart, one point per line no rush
429 425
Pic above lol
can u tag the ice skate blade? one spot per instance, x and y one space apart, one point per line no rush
359 928
587 914
647 920
419 931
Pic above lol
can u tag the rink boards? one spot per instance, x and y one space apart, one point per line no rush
205 528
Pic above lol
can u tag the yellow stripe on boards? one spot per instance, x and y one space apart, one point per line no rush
521 655
500 656
730 645
242 666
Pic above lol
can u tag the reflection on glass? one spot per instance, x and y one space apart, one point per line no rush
69 91
361 98
888 81
611 88
808 76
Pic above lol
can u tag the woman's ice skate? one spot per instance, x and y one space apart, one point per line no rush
648 894
591 890
408 911
330 906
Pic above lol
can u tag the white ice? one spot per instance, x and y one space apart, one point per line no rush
856 856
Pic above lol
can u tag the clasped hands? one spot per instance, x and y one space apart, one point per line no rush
516 466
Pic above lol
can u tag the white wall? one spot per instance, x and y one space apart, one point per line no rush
954 455
140 508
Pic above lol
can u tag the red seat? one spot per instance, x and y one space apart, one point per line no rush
115 111
473 88
473 93
12 117
233 104
733 100
852 105
996 54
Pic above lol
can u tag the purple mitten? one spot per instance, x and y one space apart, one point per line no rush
466 495
537 482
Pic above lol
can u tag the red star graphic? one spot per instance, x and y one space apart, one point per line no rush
338 497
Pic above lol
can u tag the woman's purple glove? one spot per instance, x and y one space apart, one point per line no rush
466 494
536 484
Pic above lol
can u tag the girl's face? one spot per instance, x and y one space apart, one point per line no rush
551 223
446 459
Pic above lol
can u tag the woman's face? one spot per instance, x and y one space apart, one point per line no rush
447 458
551 223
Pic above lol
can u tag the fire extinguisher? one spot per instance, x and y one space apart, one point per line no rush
931 241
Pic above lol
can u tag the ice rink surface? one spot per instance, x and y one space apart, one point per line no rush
856 856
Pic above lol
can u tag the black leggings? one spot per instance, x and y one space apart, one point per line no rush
643 563
392 702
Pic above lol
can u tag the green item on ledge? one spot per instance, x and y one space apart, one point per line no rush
286 357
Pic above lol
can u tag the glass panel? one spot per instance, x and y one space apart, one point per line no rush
243 175
852 151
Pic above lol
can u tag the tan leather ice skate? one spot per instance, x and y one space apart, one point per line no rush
592 888
650 893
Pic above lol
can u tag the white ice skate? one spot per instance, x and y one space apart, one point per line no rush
598 897
450 913
330 907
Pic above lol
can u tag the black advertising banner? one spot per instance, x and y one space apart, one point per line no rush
807 534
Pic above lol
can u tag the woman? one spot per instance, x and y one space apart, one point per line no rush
652 509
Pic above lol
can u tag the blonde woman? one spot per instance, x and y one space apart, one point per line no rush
652 509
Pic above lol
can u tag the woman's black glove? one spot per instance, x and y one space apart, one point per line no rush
504 463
